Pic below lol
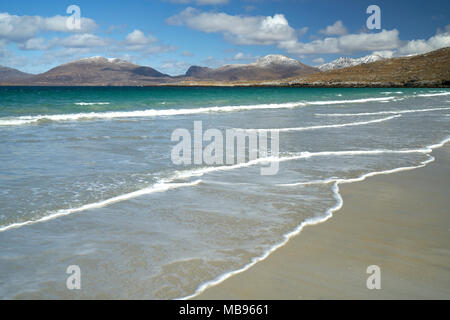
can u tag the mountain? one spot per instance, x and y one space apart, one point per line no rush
344 62
98 71
10 74
426 70
270 67
431 69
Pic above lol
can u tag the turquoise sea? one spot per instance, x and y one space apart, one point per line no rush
86 179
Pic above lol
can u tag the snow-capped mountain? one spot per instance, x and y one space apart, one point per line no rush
344 62
101 60
99 71
270 67
276 59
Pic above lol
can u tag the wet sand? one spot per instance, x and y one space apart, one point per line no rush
400 222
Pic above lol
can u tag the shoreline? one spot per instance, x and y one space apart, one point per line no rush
291 269
331 85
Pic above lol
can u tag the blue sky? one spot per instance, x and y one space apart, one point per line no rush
171 35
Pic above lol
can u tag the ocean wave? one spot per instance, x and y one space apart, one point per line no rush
169 183
91 103
143 113
312 221
391 92
22 120
158 187
378 113
433 94
350 124
326 102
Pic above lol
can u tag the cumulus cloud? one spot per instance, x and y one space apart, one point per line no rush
413 47
259 30
21 28
275 30
384 40
335 29
84 40
138 41
137 37
34 44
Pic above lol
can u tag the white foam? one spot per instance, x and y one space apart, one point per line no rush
286 237
350 101
391 92
433 94
313 221
142 113
158 187
379 112
91 103
172 112
166 184
350 124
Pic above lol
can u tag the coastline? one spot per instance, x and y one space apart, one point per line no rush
265 84
398 221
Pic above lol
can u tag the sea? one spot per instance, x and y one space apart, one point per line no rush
87 179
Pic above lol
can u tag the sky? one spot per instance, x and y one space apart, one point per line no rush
171 35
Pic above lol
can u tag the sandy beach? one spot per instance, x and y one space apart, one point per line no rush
399 222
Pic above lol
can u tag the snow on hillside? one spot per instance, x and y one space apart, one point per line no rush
344 62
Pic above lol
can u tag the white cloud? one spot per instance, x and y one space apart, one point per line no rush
21 28
11 59
244 57
173 67
385 53
319 60
259 30
238 56
137 37
275 30
384 40
34 44
84 40
413 47
337 29
138 41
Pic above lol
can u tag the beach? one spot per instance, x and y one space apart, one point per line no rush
89 179
399 222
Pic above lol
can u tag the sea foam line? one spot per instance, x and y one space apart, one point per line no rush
22 120
91 103
142 113
167 185
364 100
158 187
313 221
379 112
433 94
350 124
